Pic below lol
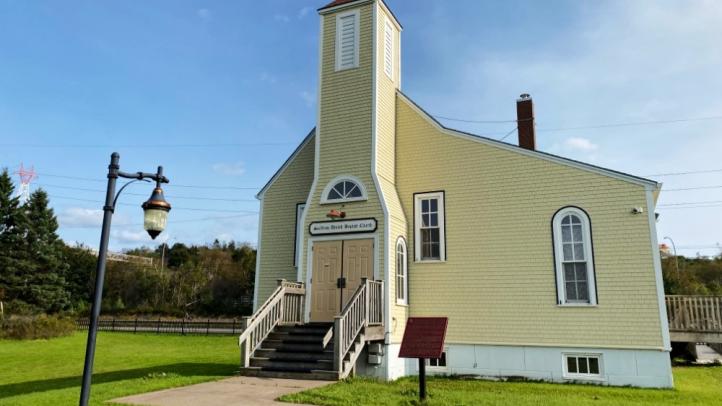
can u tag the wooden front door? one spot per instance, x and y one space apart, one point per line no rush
349 259
358 262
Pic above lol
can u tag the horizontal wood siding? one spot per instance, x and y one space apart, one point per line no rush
279 220
498 283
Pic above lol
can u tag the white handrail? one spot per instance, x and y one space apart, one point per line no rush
284 306
700 314
365 308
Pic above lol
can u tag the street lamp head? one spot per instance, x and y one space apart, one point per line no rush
155 211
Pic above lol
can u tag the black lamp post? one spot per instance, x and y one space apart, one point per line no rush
155 215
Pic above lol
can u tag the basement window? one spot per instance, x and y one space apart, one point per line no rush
583 366
437 363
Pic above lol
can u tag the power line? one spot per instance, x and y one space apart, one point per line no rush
170 185
209 145
174 207
689 203
692 188
686 173
141 194
508 134
170 223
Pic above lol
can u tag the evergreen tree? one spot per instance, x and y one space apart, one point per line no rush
47 286
15 266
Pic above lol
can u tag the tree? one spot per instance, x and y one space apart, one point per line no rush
79 274
47 286
15 266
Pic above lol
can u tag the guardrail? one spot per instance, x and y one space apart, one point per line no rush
694 314
285 306
160 326
363 310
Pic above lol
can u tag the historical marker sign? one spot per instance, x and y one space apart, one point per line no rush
424 337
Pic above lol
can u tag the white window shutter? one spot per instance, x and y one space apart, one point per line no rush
389 50
347 37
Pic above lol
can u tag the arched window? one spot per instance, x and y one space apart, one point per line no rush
344 189
574 257
402 272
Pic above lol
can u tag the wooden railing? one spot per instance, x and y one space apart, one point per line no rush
284 306
694 314
363 310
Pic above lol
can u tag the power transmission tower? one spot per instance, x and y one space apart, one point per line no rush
26 176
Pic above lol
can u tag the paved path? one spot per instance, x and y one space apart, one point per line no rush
237 391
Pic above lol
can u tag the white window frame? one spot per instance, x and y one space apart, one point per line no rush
559 256
401 242
389 34
442 225
300 207
335 181
445 355
581 376
357 29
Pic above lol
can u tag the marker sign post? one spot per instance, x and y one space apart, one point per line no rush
423 338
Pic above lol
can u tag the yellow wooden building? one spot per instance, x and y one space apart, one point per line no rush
546 267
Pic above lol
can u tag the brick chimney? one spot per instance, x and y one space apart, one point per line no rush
525 122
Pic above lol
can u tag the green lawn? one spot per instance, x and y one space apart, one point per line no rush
694 386
48 372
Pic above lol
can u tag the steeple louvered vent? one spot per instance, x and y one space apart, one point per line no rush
347 38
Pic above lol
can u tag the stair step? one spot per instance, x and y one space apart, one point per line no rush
301 330
282 365
293 347
303 339
314 375
297 356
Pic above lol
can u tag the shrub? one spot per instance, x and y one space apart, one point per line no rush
34 327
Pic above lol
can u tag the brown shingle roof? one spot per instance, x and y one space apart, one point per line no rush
335 3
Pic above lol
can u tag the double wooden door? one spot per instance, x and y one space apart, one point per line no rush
338 267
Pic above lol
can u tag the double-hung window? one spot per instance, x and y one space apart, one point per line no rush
429 243
574 257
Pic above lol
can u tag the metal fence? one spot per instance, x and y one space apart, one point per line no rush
160 326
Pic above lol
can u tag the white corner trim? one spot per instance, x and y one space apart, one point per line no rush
258 257
374 174
657 263
337 179
535 154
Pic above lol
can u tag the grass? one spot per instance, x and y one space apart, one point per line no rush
49 372
693 386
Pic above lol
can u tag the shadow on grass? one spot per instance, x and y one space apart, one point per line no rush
181 369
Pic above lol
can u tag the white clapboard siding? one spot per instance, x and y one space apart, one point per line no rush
347 37
389 50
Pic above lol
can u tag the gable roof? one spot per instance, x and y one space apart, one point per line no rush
336 3
288 161
535 153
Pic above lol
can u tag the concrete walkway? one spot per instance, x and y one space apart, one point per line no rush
237 391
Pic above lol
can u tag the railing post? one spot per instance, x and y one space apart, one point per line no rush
337 340
367 300
245 350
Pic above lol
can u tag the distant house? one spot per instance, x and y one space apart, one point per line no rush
546 267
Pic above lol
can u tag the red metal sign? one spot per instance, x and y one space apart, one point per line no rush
424 337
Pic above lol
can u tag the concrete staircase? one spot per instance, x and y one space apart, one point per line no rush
295 352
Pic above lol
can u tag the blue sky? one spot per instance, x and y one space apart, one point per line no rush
232 86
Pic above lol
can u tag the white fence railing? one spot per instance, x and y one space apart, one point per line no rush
364 309
284 306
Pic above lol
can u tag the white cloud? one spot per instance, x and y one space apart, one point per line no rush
205 15
580 144
282 18
308 97
80 217
229 169
303 12
268 78
127 236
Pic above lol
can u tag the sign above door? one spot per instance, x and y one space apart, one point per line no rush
343 226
